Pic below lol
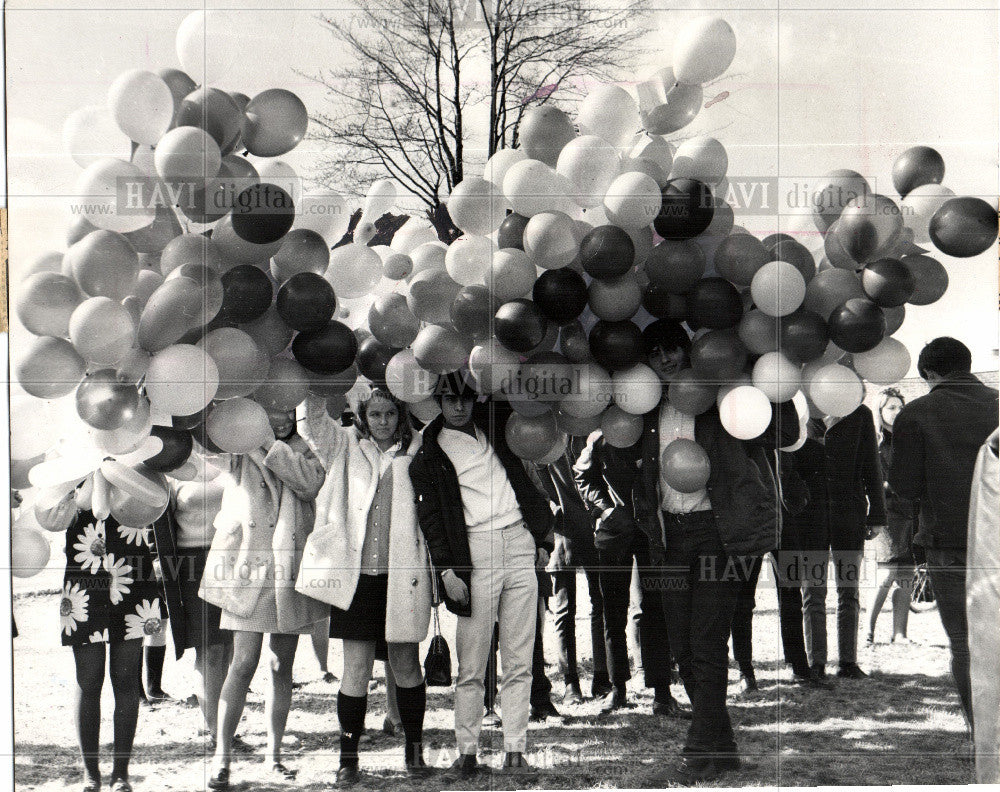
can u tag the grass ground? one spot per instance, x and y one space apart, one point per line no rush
901 726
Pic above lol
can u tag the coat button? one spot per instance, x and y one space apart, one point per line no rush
414 582
263 485
251 524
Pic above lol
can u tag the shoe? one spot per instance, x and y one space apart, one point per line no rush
902 640
191 701
120 785
388 727
465 766
514 763
282 773
601 690
219 780
91 785
491 719
671 709
572 696
748 683
329 677
870 639
239 745
544 711
818 678
158 696
416 767
615 700
686 772
851 671
347 775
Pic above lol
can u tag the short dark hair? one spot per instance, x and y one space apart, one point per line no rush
944 356
666 334
454 384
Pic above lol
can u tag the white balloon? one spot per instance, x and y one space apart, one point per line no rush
415 232
593 391
637 389
835 390
476 206
703 50
103 186
325 213
468 259
207 45
886 364
501 162
29 551
430 255
512 274
609 112
142 105
654 148
633 200
590 164
530 186
778 288
354 270
381 198
90 134
745 412
702 158
492 364
919 206
777 377
550 240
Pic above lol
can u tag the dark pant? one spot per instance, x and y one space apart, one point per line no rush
947 572
789 586
541 688
701 585
742 629
564 609
615 580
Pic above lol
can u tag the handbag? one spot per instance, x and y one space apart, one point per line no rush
437 663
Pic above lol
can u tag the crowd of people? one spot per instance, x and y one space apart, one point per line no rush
356 531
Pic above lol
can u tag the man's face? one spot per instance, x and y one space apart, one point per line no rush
667 364
457 410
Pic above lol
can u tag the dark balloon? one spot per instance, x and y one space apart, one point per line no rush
796 254
373 357
773 239
687 209
964 227
520 325
663 304
738 257
690 395
104 402
676 266
177 445
616 345
573 342
560 294
916 167
246 293
718 357
930 279
803 336
607 252
306 301
715 303
472 311
215 112
327 351
857 326
894 318
888 282
511 232
263 214
180 85
189 421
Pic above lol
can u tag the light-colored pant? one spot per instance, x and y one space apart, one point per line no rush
505 590
847 572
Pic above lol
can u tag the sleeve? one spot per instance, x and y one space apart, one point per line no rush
322 433
589 477
298 469
906 476
783 430
429 516
871 471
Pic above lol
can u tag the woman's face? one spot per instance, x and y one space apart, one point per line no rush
282 423
382 418
890 410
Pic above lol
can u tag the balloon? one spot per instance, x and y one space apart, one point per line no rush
186 153
543 132
134 511
835 191
180 85
209 284
354 270
492 365
45 303
468 259
510 234
429 256
472 312
778 288
690 395
759 332
177 445
214 111
406 380
964 227
835 390
916 167
701 158
615 299
440 350
590 163
328 350
549 239
142 105
425 411
831 289
886 364
637 389
154 237
306 301
263 214
49 367
686 211
739 257
476 206
894 318
101 188
675 265
325 213
511 275
888 282
392 322
857 326
608 112
573 342
520 325
662 304
172 310
238 426
397 266
560 294
607 252
718 356
105 264
247 294
703 50
776 377
868 225
930 279
181 380
190 249
633 200
329 385
104 402
745 412
90 134
498 165
531 438
685 465
621 429
804 336
666 105
530 187
795 253
207 44
432 293
29 552
919 207
616 345
102 331
128 437
241 364
286 387
714 303
373 357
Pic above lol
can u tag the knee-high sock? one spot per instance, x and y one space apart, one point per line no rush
155 655
412 704
351 714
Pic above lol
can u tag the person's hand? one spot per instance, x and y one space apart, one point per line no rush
455 587
541 557
157 569
874 530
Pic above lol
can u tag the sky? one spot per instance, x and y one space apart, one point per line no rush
812 89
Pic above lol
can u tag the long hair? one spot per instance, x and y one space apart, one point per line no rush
883 399
404 429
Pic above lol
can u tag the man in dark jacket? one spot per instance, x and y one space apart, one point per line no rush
936 440
487 529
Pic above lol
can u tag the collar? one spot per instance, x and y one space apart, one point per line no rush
957 381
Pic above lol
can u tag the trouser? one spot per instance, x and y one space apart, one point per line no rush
615 581
947 572
564 609
701 585
847 571
742 628
503 590
541 688
786 564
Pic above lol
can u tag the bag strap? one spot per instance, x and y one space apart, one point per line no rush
435 599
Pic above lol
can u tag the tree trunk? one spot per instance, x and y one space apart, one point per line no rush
447 231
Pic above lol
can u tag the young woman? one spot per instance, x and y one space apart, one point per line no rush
894 545
110 601
367 558
266 514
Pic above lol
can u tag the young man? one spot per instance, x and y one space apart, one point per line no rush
936 440
487 530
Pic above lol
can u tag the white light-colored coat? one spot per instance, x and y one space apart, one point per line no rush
267 514
331 564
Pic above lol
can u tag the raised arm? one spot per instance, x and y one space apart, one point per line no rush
324 435
297 467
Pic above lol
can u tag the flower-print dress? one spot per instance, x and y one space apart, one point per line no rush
110 592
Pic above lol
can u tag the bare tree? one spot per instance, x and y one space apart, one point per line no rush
401 107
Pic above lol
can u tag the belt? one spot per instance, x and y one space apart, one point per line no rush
688 517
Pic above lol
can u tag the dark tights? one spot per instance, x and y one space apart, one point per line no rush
125 658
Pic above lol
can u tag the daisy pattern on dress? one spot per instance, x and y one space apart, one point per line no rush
73 607
121 578
136 536
145 621
99 636
91 547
